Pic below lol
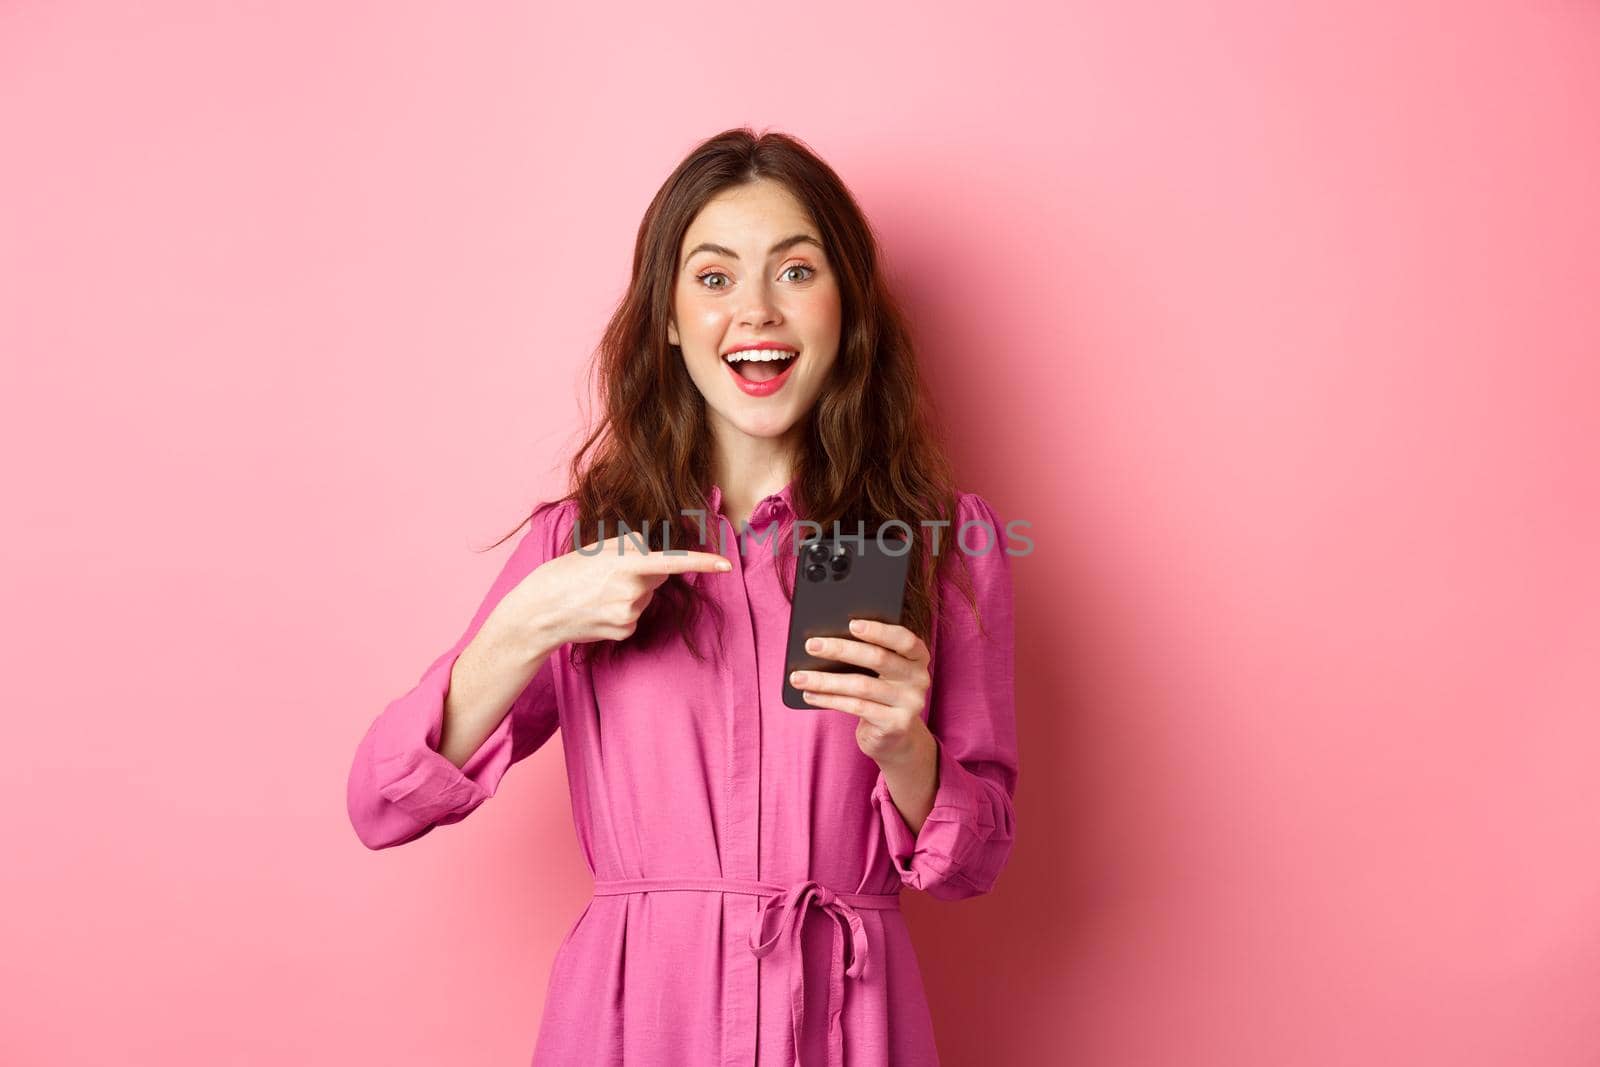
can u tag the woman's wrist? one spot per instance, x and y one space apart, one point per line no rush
913 779
920 749
529 640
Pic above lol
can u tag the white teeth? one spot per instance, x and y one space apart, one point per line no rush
760 355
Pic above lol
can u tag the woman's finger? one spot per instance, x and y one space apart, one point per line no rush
846 684
861 653
886 661
870 710
891 635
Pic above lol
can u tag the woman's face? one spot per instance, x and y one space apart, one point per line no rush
755 285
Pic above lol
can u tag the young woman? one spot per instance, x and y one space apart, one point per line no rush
747 856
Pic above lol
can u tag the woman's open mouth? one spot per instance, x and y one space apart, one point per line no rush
760 372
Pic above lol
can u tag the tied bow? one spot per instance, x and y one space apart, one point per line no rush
795 901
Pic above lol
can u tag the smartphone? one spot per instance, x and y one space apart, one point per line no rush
836 580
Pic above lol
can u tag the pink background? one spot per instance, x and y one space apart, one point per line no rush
1277 321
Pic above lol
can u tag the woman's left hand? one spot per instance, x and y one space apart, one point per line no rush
889 706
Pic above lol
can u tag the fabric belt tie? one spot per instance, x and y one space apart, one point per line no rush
795 899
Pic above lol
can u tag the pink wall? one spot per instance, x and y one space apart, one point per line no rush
1277 320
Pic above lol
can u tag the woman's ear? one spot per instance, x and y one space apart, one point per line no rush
672 333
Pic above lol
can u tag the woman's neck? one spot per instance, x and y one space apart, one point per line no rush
748 471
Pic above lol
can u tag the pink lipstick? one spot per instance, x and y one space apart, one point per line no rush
768 386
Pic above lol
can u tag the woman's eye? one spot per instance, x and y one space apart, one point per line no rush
702 278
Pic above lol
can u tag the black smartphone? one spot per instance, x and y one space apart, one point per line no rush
836 580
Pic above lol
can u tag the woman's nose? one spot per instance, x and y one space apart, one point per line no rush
759 309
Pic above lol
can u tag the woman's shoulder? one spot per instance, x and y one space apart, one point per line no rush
550 525
979 579
971 505
986 540
977 525
554 512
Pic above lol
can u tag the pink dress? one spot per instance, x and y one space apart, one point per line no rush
747 856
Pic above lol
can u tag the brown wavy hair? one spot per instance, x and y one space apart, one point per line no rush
869 452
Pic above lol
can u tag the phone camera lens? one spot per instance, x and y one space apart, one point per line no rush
841 564
816 572
817 551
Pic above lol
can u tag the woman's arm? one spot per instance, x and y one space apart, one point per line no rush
913 782
959 849
496 666
438 752
498 708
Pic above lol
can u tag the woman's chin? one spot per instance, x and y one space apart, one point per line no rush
761 424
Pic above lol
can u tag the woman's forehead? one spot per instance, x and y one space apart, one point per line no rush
748 222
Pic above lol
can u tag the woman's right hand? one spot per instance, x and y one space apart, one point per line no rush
594 594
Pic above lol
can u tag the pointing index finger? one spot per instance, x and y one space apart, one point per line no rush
679 562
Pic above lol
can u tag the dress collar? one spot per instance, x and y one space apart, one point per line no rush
781 502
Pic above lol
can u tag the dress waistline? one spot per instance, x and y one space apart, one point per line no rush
795 900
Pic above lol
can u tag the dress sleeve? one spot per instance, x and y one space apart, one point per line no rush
968 835
400 787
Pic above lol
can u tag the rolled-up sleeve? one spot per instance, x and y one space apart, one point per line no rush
967 838
400 787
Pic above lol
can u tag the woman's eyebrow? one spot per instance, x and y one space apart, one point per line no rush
787 242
